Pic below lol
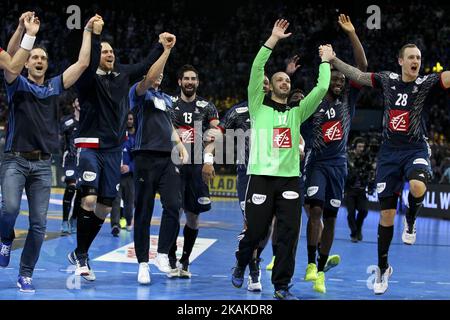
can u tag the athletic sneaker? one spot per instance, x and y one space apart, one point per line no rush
144 273
382 282
115 231
123 223
269 267
408 235
319 284
25 284
311 272
65 230
162 262
183 267
174 271
5 253
237 277
82 266
284 294
254 278
332 262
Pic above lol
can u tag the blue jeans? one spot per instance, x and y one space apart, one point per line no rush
17 173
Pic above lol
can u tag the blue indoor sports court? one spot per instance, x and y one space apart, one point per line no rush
420 271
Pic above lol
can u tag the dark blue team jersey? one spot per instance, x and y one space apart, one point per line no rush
191 120
152 120
238 119
33 115
326 131
69 131
403 120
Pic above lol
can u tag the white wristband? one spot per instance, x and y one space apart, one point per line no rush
208 158
27 42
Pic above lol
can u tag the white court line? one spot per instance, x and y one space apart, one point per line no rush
444 283
37 269
129 272
361 280
417 282
393 281
337 280
219 276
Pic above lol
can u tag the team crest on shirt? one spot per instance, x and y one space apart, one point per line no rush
415 89
196 110
421 79
399 120
241 109
394 76
332 131
282 138
201 104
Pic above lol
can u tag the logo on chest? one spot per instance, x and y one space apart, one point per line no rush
399 120
282 138
332 131
187 134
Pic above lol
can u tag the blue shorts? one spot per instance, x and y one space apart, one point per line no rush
194 191
242 182
99 169
394 166
70 168
325 183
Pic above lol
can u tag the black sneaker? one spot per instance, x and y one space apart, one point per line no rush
115 231
237 278
284 294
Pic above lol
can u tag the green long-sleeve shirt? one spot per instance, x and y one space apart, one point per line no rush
275 134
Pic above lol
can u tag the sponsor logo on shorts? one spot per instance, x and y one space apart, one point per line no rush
290 195
312 191
258 198
242 203
70 173
204 200
420 161
335 203
380 187
89 176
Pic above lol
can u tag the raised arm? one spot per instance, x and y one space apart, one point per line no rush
14 42
310 103
168 42
256 82
74 72
358 50
362 78
15 64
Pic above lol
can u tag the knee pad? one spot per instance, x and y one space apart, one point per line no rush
88 191
330 213
420 175
314 203
108 202
388 203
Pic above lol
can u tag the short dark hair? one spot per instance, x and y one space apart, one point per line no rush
185 68
402 49
42 48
